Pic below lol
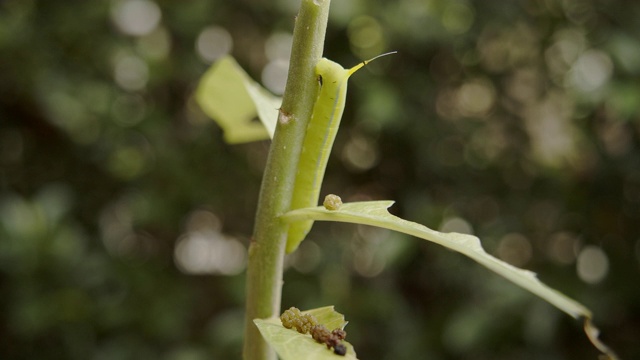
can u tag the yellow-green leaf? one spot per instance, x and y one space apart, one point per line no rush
228 95
292 345
375 213
328 317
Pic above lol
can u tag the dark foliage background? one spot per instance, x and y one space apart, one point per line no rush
124 217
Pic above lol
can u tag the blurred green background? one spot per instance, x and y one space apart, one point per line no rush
124 217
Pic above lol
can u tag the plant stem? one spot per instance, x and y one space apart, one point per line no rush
266 252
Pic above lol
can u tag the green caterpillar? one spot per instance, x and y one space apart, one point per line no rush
319 137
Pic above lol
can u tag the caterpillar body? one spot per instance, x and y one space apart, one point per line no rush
319 137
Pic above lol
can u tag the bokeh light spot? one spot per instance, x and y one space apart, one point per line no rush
278 46
593 264
502 49
212 43
360 154
274 75
136 17
21 219
204 249
306 258
130 72
591 71
562 248
367 264
366 36
117 228
564 51
202 220
515 249
209 252
525 85
456 224
369 257
551 131
476 98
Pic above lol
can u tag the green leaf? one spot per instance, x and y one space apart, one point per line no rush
375 213
228 95
292 345
328 317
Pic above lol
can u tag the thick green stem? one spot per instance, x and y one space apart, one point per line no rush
266 252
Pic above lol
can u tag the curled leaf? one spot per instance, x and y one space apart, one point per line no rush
292 345
229 96
375 213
